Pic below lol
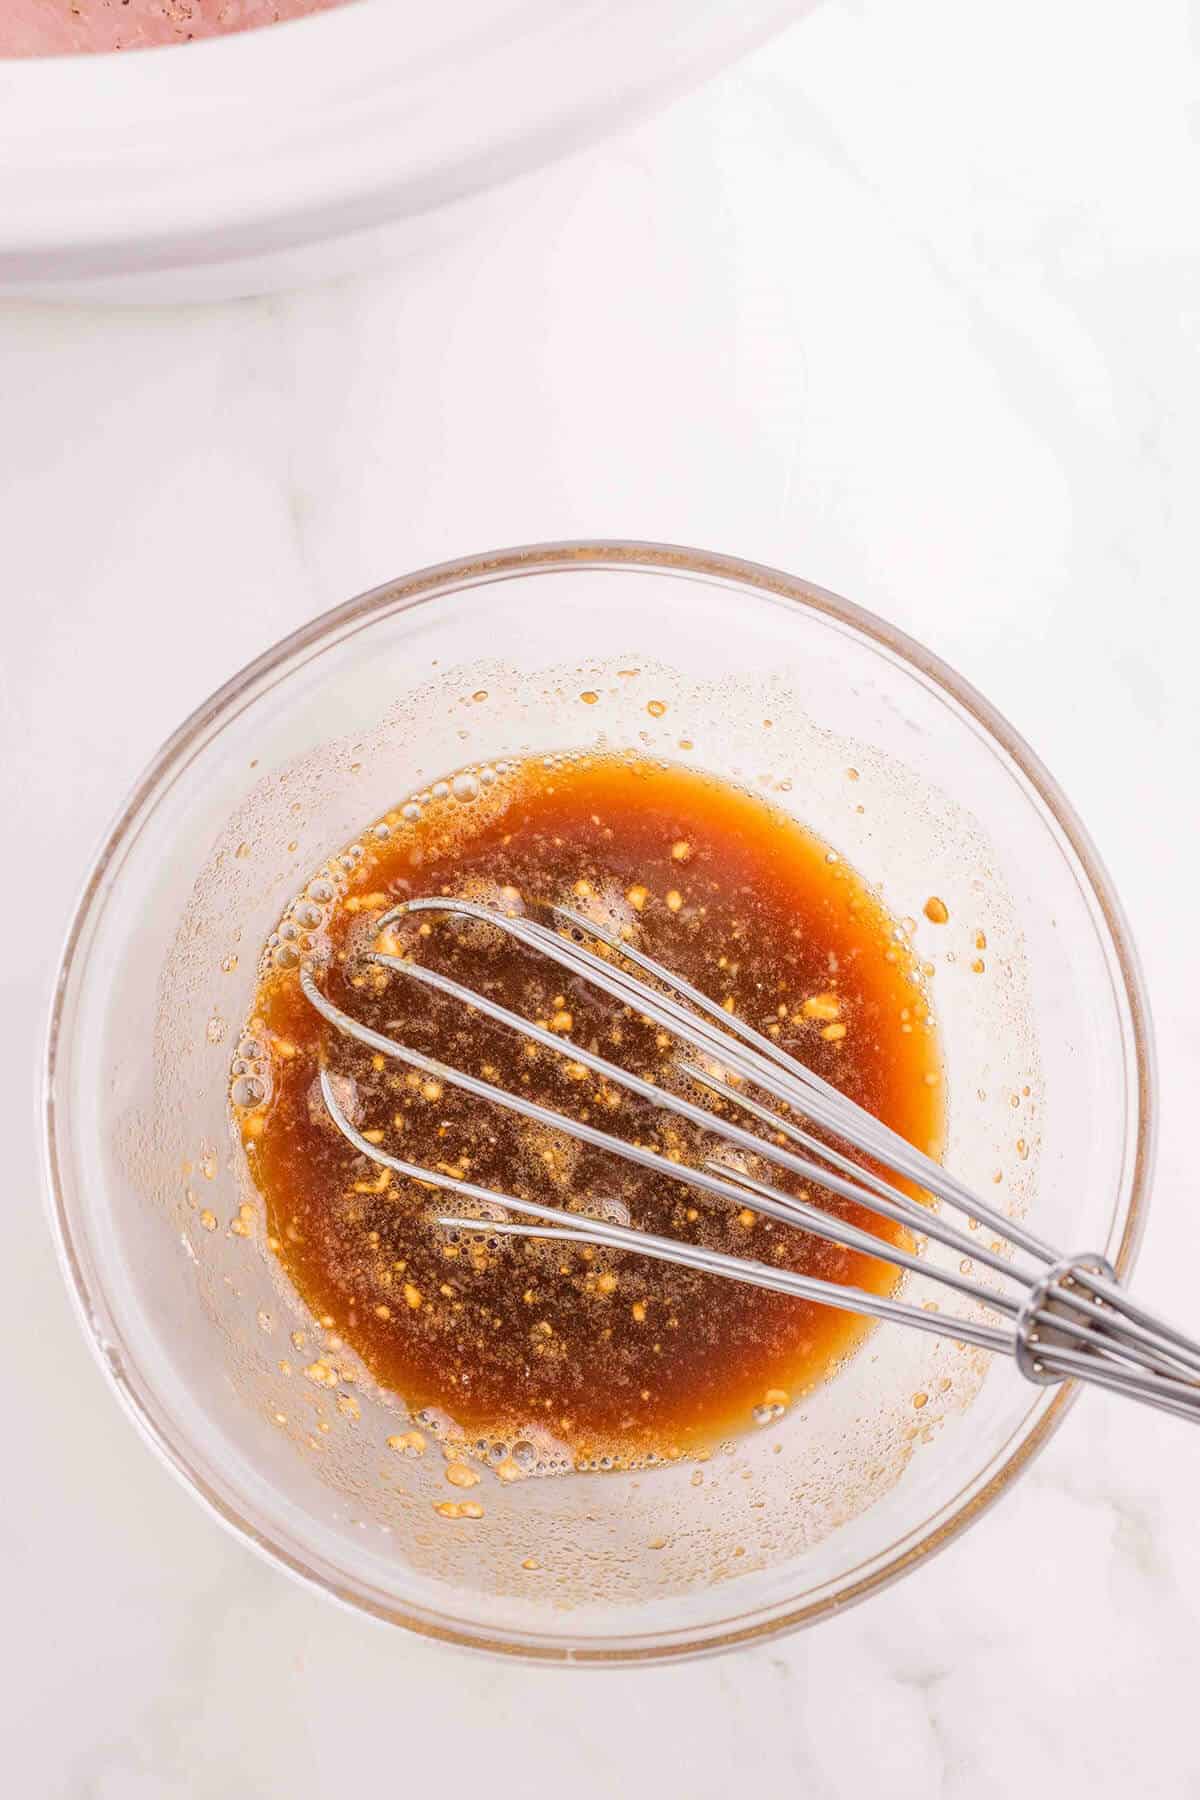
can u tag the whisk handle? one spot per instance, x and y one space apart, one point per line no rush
1079 1322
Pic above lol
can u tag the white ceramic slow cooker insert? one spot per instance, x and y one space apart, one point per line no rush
308 149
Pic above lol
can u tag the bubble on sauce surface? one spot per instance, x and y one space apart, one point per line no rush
345 1093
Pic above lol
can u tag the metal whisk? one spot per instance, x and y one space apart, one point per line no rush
1057 1316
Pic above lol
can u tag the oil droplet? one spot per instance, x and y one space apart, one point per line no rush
936 911
656 708
589 697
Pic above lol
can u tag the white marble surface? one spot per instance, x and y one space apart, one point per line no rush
910 303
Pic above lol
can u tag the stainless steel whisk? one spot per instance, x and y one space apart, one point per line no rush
1057 1316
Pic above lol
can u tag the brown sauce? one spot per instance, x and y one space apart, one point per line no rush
606 1352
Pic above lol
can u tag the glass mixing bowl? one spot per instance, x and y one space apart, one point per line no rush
702 659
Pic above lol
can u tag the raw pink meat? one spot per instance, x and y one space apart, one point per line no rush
63 27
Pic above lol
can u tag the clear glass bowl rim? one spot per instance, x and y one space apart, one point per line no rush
276 664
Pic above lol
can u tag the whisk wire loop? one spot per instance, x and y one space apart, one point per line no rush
1069 1318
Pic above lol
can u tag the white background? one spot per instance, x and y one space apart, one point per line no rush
908 304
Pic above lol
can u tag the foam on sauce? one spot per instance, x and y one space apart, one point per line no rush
607 1355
